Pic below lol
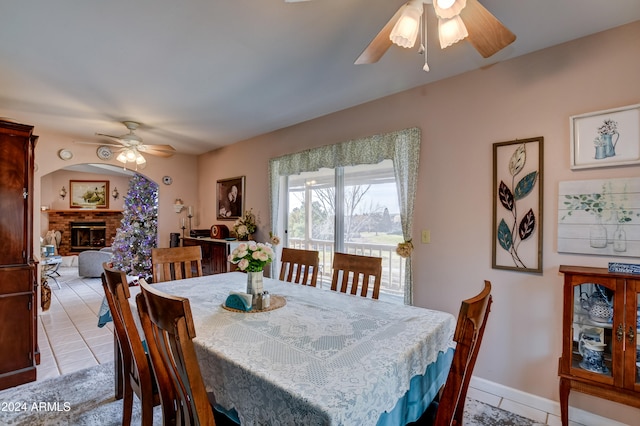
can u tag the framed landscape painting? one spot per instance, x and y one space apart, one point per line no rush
89 194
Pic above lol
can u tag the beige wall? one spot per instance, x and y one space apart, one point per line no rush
460 119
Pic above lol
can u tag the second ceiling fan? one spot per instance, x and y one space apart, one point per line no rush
131 147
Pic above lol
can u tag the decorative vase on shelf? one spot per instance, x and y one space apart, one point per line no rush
254 283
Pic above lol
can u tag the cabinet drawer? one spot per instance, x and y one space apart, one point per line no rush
16 279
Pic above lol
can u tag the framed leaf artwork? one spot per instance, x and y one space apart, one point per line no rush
517 205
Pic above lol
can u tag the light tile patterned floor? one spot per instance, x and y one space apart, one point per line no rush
68 333
70 339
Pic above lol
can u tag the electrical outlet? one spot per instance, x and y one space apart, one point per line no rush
426 236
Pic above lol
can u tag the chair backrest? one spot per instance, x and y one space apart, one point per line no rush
169 330
351 267
134 358
472 320
176 263
299 266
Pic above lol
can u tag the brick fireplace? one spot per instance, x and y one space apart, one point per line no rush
91 223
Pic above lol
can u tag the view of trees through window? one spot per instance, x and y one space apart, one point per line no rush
359 205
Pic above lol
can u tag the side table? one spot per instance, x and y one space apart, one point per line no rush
50 265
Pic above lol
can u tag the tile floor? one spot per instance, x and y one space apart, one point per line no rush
70 339
68 334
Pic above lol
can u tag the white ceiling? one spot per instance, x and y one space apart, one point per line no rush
202 74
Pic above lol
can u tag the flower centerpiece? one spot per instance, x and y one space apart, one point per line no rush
245 225
252 257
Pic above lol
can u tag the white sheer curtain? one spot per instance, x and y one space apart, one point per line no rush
402 147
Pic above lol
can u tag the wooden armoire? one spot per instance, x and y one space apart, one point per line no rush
18 283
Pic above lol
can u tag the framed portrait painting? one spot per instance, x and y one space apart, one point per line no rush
230 198
606 138
517 205
93 194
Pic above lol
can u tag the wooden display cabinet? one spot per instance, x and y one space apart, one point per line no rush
18 311
586 323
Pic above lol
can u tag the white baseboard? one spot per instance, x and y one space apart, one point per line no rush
553 407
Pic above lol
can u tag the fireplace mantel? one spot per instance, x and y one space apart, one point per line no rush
60 220
81 211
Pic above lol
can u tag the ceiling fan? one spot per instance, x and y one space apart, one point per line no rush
131 146
457 20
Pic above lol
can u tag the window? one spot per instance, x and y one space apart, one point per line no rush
350 209
361 174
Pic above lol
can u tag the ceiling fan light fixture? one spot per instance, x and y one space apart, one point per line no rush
405 31
122 157
447 9
451 31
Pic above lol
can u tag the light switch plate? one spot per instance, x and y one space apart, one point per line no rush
426 236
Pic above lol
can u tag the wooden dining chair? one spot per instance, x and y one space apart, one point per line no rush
299 266
472 321
351 267
136 368
176 263
169 330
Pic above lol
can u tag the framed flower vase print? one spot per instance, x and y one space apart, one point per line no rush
517 205
606 138
599 217
93 194
230 198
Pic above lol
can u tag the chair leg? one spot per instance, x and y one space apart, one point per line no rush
147 412
127 403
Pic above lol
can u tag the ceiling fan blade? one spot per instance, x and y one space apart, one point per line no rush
98 143
381 43
116 138
156 152
146 147
486 33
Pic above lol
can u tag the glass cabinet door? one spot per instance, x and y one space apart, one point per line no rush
634 325
593 341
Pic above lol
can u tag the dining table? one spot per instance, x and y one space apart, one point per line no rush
318 357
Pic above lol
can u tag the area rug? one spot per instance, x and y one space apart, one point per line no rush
86 398
82 398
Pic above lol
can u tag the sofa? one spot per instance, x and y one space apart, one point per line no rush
90 262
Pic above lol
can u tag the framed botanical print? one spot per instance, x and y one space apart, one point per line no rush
606 138
89 194
599 216
517 205
230 198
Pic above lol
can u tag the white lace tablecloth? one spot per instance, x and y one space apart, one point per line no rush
325 358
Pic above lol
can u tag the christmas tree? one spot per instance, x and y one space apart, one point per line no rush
138 230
